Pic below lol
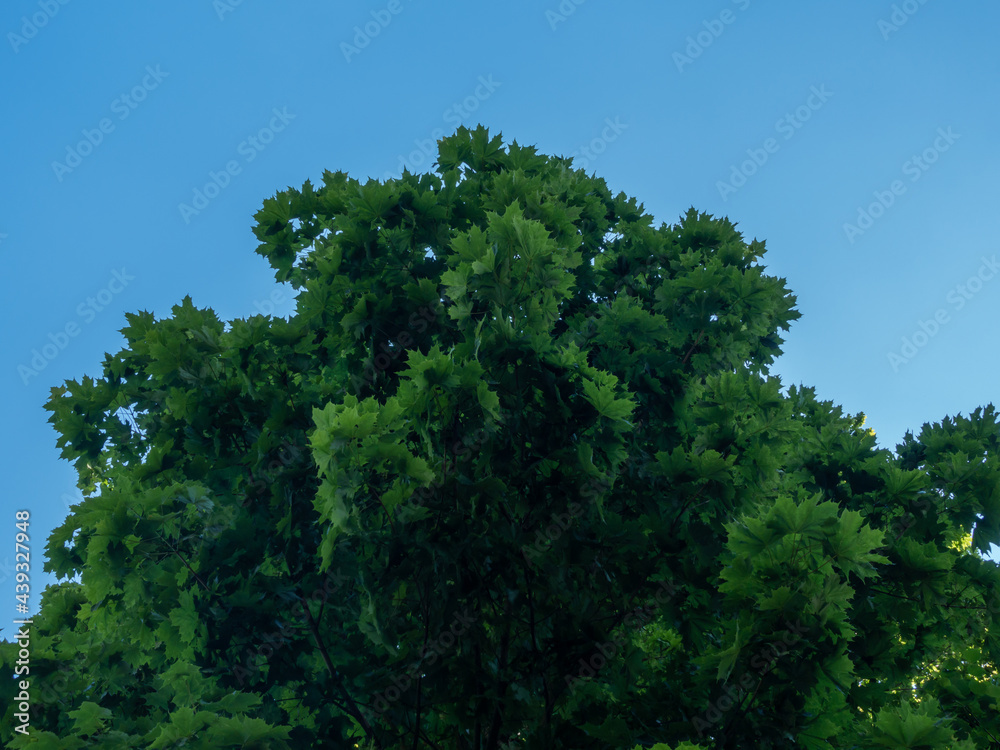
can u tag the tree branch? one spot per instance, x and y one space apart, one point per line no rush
353 709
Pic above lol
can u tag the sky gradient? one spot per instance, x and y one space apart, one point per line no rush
854 138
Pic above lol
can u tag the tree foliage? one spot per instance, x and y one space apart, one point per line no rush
514 474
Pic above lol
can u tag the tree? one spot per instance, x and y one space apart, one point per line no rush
515 474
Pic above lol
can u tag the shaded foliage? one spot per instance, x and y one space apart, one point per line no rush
514 474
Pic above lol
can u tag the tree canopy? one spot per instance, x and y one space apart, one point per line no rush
514 474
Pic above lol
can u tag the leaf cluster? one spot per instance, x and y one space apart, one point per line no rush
514 474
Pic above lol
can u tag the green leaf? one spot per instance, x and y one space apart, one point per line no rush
90 718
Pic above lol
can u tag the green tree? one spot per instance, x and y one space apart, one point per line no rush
515 474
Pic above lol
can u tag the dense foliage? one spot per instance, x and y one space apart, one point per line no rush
514 474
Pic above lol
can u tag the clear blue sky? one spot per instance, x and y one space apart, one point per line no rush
791 119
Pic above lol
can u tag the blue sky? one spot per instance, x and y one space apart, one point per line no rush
859 139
